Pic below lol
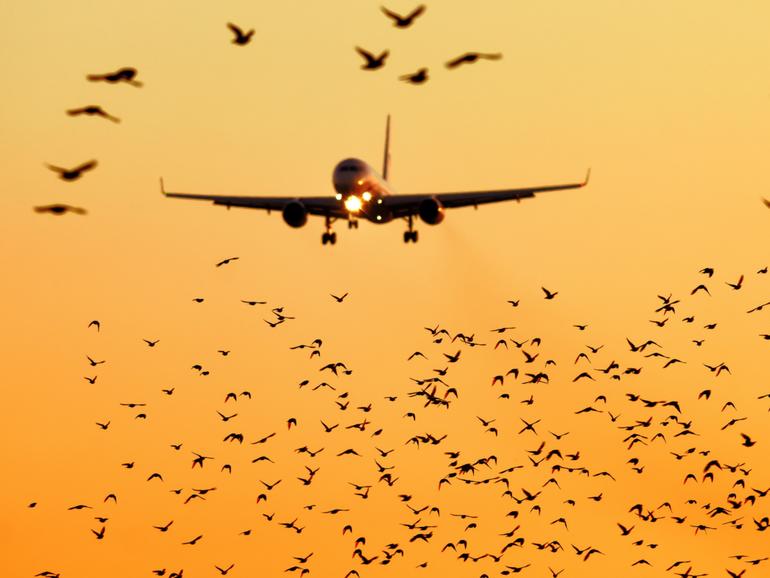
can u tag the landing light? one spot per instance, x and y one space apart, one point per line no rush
367 196
338 197
353 204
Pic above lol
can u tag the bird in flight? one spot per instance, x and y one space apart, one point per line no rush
96 324
418 77
549 294
339 299
59 209
75 173
241 38
227 262
403 21
126 74
92 110
372 62
471 57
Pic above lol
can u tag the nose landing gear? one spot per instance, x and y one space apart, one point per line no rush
410 234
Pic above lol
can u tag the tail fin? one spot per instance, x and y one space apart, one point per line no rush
386 160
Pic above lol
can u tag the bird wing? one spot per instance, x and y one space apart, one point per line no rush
325 206
403 205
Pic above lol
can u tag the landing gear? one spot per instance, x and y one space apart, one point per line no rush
410 234
329 236
352 224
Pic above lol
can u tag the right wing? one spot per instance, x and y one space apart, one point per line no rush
324 206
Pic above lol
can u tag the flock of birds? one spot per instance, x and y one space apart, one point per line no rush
532 470
241 37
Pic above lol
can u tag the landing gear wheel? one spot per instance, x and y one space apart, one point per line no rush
352 224
324 238
333 238
410 236
414 236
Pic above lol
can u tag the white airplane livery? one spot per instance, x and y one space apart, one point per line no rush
363 194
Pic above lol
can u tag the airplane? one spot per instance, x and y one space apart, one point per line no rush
361 193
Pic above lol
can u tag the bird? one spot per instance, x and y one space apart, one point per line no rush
151 343
126 74
766 202
226 262
418 77
549 294
736 285
193 541
60 209
92 110
339 299
74 173
241 38
224 571
403 21
372 62
470 57
95 323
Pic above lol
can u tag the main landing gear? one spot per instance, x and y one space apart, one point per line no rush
410 234
329 236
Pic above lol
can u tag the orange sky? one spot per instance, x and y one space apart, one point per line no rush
667 102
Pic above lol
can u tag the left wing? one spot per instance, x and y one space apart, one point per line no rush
402 205
325 206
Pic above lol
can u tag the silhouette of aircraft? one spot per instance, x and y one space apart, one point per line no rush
363 194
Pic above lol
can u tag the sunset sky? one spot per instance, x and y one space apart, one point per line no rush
667 102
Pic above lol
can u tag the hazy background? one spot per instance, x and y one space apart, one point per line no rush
669 103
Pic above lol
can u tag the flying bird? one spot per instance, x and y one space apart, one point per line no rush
241 38
471 57
418 77
126 74
74 173
59 209
400 21
92 110
372 62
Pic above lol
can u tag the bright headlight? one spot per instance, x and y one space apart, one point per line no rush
353 204
367 196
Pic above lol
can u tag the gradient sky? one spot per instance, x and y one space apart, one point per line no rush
667 102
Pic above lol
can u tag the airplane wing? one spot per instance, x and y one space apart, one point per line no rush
325 206
402 205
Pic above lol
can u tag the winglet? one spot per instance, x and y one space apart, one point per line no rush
162 188
588 177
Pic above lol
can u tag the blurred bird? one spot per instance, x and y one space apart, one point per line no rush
92 110
372 62
403 21
127 75
75 173
241 38
418 77
470 57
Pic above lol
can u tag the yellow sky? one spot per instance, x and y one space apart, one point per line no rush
668 102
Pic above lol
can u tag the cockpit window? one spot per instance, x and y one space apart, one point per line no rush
344 168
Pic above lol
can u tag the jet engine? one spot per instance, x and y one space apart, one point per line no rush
431 211
295 214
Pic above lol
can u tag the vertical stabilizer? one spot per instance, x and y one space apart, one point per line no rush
386 160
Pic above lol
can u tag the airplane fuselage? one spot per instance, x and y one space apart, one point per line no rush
362 191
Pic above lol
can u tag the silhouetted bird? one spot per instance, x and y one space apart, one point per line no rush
418 77
470 57
73 174
372 62
403 21
92 110
58 209
127 75
241 38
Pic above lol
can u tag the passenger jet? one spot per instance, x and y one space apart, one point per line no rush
363 194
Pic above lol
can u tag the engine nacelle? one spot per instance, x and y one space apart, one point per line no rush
431 211
295 214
